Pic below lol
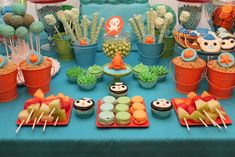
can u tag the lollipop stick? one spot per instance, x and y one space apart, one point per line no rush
185 121
56 121
30 114
39 45
34 123
13 48
39 118
58 32
18 129
44 126
31 41
203 122
220 113
5 42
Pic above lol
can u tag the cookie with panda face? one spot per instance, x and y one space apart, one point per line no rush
118 89
228 44
161 108
84 107
210 43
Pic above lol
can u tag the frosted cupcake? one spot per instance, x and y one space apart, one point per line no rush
97 71
140 68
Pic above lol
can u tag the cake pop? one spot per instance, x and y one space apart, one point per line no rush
51 21
16 21
22 33
1 28
7 18
28 20
36 27
19 9
8 32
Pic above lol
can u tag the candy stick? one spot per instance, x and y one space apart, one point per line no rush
76 24
98 30
135 29
168 20
140 25
18 129
203 122
44 126
5 42
39 118
34 123
30 114
148 22
56 121
152 28
93 26
185 121
85 26
220 113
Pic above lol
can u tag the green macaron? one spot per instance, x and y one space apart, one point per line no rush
109 99
106 118
123 118
124 100
107 107
121 108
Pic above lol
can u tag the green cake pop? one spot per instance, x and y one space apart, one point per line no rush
19 8
7 18
22 32
8 31
1 28
37 27
16 21
28 20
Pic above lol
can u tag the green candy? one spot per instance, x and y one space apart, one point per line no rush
37 27
19 8
148 77
22 32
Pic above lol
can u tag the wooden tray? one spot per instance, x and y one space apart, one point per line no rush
115 125
52 123
227 120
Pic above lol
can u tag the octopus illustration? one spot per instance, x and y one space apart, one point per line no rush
114 25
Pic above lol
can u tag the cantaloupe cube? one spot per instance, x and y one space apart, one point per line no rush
178 101
205 94
51 97
61 95
66 99
39 94
191 95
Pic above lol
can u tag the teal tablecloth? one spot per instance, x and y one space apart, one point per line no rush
82 138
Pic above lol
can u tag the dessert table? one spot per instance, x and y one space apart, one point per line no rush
82 138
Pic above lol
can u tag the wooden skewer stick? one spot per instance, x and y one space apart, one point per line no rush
220 113
52 112
212 121
221 117
44 126
29 116
18 129
31 41
203 122
39 118
34 123
56 121
5 42
186 124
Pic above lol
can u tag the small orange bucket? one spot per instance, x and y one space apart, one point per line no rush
187 79
221 84
37 78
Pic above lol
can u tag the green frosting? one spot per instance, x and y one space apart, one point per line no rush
95 69
74 72
37 27
158 70
86 79
8 31
141 68
19 8
22 32
148 77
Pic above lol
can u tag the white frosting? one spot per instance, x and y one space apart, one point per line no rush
162 103
118 87
84 102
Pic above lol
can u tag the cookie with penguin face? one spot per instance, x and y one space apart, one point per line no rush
118 89
228 44
210 43
161 105
84 104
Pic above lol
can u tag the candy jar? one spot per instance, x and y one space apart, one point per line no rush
194 9
221 13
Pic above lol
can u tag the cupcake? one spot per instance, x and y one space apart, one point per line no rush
86 81
73 72
84 107
147 80
106 118
109 99
161 108
123 118
124 100
107 107
140 68
137 99
97 71
139 117
121 108
160 71
118 89
137 106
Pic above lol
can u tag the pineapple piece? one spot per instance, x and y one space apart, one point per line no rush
46 117
182 113
34 107
213 105
55 104
44 108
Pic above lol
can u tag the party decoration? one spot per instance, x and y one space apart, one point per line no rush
117 62
189 55
114 25
36 27
34 58
226 60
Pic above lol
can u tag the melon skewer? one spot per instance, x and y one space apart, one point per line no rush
45 123
23 115
203 122
186 124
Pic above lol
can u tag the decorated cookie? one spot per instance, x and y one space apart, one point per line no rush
189 55
210 43
161 108
228 44
3 61
118 89
226 60
84 107
34 58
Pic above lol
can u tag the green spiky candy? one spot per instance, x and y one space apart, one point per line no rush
22 32
141 68
37 27
86 79
158 70
74 72
148 77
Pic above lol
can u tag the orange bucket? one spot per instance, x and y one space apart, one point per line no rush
37 78
8 84
221 84
187 79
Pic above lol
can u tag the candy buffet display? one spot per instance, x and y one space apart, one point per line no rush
84 107
200 110
161 108
123 112
45 111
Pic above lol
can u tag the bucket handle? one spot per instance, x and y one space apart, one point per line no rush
205 73
172 77
23 82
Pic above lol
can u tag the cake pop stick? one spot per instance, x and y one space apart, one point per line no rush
61 16
8 32
51 21
98 30
37 27
23 115
85 26
22 33
135 29
7 52
93 26
203 122
185 121
168 20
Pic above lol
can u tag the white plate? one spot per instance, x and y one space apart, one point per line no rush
54 71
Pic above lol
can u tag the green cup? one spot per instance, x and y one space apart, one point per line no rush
62 48
170 43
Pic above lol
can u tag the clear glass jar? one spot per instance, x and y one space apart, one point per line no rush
194 7
221 13
120 42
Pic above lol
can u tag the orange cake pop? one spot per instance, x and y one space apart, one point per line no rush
117 63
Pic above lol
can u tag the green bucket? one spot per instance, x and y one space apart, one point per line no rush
170 43
62 48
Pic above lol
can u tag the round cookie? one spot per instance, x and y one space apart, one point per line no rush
121 108
137 106
123 118
106 118
107 107
118 89
109 99
140 117
137 99
84 107
124 100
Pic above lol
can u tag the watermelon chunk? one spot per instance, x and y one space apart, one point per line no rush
39 94
51 97
208 98
30 102
191 109
183 105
